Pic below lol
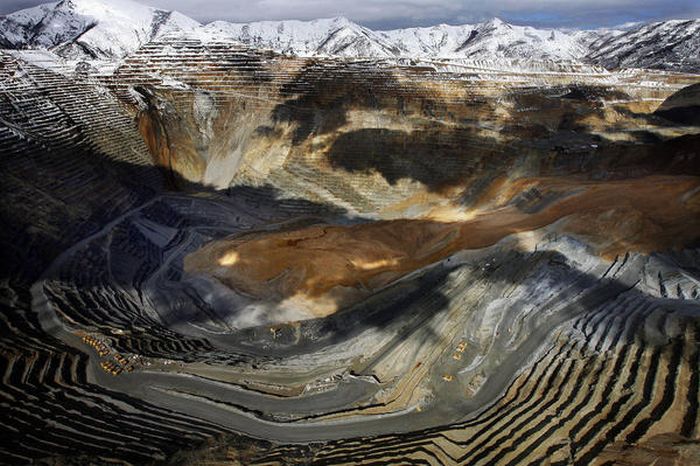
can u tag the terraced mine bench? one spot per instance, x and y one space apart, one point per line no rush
510 277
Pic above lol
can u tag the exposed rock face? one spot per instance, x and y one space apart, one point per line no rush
216 244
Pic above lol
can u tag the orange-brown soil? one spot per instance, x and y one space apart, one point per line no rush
324 268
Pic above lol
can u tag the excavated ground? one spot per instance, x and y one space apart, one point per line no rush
323 269
223 256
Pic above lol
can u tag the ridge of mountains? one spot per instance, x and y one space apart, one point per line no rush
110 30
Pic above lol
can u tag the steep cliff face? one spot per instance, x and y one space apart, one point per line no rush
424 142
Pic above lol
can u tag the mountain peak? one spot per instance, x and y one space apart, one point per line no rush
103 8
89 29
496 22
342 20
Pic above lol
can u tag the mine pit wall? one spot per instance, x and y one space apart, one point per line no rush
341 133
72 161
67 180
199 138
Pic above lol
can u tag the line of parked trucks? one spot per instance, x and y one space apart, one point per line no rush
112 362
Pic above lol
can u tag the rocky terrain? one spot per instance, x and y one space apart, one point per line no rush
217 254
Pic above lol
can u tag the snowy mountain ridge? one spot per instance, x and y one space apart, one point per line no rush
93 29
327 37
341 37
672 44
111 29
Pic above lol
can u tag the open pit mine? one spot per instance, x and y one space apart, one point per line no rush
214 253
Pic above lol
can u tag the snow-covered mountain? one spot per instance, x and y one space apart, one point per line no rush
665 45
341 37
493 39
672 45
330 37
435 41
109 29
97 29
